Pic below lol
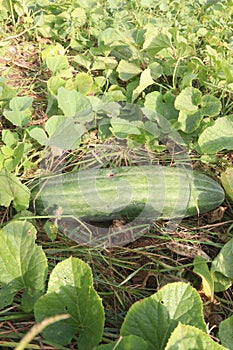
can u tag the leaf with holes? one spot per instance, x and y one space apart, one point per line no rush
154 318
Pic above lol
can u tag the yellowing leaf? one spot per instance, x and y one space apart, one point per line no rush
202 270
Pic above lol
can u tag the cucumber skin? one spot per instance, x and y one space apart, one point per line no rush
125 193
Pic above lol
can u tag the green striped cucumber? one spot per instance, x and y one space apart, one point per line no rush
150 192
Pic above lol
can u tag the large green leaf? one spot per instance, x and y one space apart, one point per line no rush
218 136
154 318
130 342
186 337
12 190
70 290
23 264
226 332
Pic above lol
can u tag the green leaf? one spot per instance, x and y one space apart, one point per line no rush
7 151
111 109
151 129
63 132
211 106
6 92
11 189
54 83
189 122
70 290
156 70
186 337
157 42
20 110
104 131
227 182
122 128
145 81
218 136
84 83
67 101
131 342
51 229
57 63
188 100
226 333
18 155
39 135
79 16
9 138
23 264
75 105
154 318
102 62
83 61
162 104
223 261
202 270
221 282
153 100
21 103
127 70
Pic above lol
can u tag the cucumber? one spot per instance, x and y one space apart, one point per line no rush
148 192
